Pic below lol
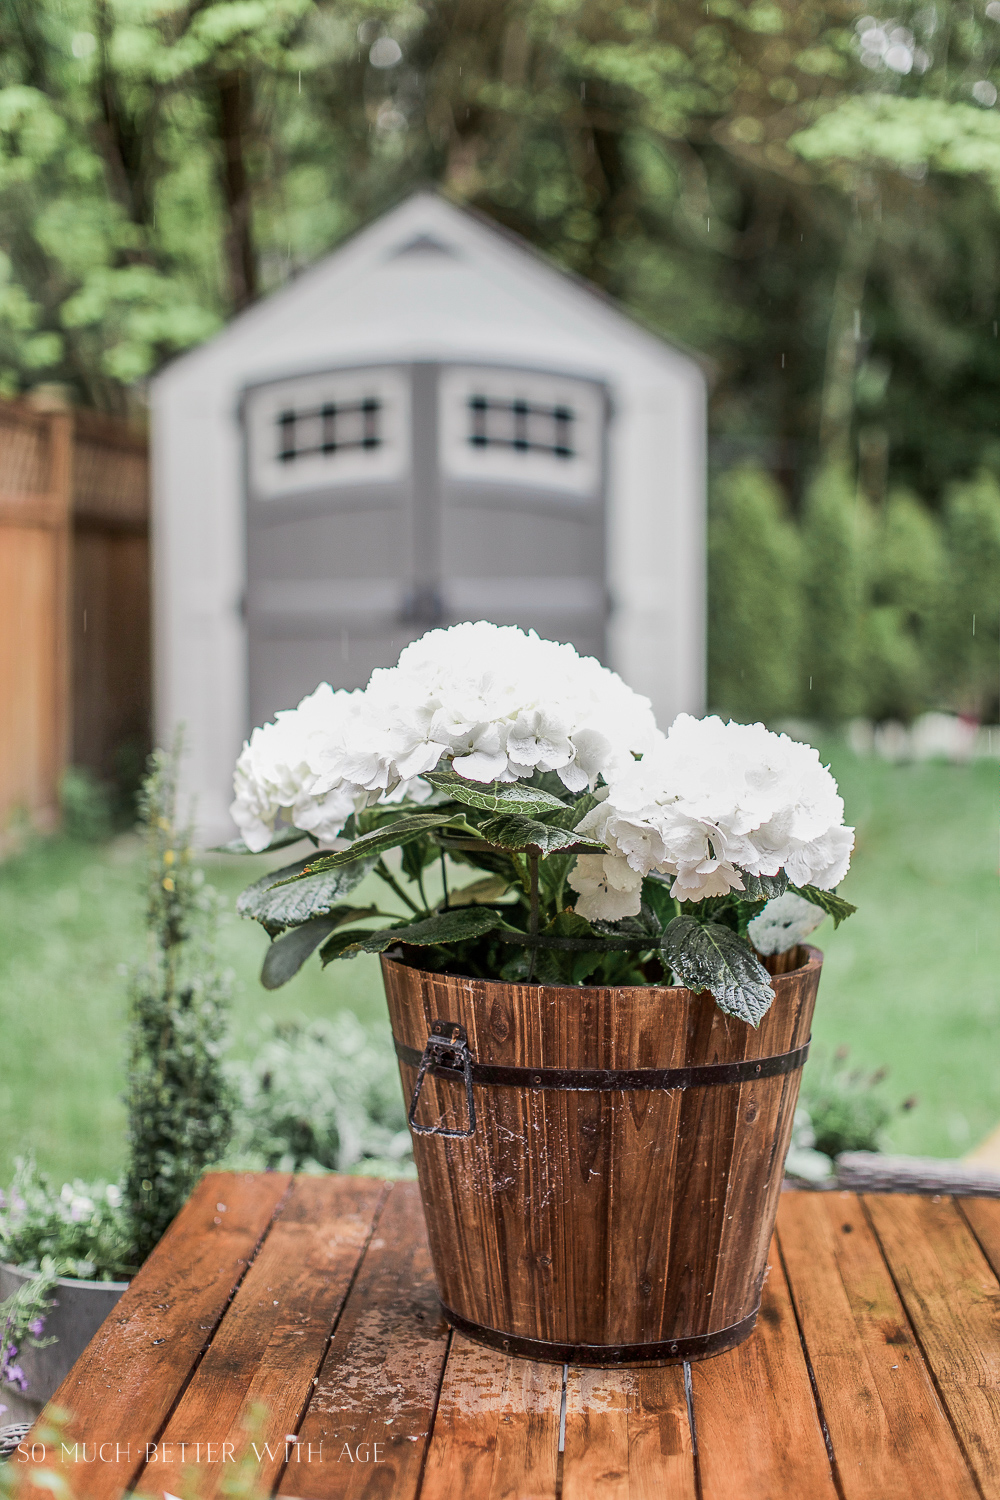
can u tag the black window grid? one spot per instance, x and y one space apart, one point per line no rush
330 417
523 436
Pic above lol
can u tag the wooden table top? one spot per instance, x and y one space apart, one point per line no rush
874 1371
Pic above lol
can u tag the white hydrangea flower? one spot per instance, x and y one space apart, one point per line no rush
608 887
500 704
297 767
495 701
785 922
712 801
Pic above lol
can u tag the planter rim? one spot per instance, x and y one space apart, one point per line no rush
814 960
70 1281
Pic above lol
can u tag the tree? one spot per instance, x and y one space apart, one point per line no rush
755 619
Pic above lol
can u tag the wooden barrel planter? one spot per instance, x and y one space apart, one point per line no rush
599 1168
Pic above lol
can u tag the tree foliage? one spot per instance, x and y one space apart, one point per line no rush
753 177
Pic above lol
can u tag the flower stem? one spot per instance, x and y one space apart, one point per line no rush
444 881
383 872
533 917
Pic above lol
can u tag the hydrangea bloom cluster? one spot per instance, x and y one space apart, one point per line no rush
495 702
784 923
711 802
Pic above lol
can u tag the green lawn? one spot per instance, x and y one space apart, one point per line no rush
912 982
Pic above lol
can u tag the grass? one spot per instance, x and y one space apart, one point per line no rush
912 982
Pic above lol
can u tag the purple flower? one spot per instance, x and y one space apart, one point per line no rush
17 1377
36 1327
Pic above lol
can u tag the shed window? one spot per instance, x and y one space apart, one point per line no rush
521 426
334 427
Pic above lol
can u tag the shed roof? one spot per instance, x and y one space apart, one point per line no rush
430 280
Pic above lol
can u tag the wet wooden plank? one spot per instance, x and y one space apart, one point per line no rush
755 1420
952 1298
272 1340
496 1433
891 1436
627 1435
983 1217
121 1389
371 1412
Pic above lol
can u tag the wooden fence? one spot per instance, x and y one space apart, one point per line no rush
74 601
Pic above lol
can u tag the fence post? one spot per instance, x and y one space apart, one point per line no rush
61 489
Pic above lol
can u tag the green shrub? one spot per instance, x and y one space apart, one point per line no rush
906 567
85 805
321 1095
969 629
848 1108
755 613
833 542
180 1102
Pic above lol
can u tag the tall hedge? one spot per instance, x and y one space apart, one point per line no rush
969 634
755 613
905 565
848 610
833 526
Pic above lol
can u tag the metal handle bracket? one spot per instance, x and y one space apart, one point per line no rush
447 1047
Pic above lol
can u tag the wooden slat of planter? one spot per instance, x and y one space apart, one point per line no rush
891 1437
755 1421
496 1432
122 1388
380 1379
627 1435
952 1298
273 1338
983 1215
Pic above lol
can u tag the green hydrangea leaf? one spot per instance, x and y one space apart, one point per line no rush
708 956
496 796
289 952
388 836
519 833
445 927
763 887
835 906
288 897
282 838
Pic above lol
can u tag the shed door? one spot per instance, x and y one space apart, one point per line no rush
385 500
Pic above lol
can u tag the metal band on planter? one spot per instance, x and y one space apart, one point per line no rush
697 1346
447 1056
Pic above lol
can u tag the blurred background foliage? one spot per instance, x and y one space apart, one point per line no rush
806 195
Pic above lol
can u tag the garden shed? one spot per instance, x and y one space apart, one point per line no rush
432 424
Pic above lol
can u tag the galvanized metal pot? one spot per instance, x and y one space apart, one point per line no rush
81 1308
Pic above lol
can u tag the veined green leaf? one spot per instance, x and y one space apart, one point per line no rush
491 888
445 927
511 831
835 906
388 836
282 839
289 952
763 887
288 897
495 796
708 956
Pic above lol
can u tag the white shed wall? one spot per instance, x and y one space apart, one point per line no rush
491 301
